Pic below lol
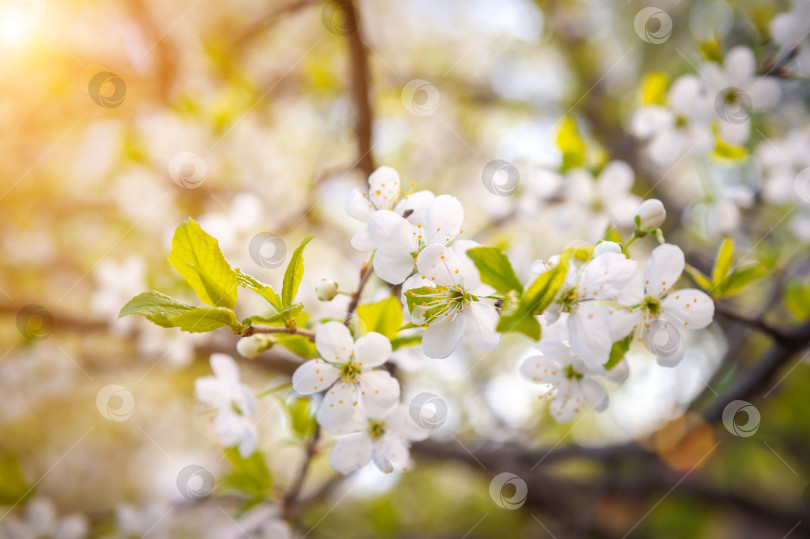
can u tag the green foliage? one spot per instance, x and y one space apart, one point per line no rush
292 277
302 418
406 340
197 258
722 263
14 488
654 88
571 144
283 317
712 49
250 477
384 317
167 312
726 282
298 345
797 298
495 269
618 351
264 290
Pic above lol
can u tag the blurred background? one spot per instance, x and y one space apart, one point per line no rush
121 119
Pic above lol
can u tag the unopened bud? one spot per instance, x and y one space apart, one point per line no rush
651 214
326 290
251 347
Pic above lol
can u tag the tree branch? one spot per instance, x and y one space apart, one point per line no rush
290 330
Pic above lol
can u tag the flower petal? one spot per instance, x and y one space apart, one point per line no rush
589 336
739 65
416 204
391 233
224 367
338 405
393 268
440 265
314 375
443 219
441 338
389 453
351 452
605 276
595 393
359 206
383 187
568 402
372 350
481 321
663 269
689 308
334 342
379 391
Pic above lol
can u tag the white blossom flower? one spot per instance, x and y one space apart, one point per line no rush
782 160
739 91
682 126
653 298
445 295
399 241
384 194
605 200
790 30
382 437
573 382
600 279
233 402
347 373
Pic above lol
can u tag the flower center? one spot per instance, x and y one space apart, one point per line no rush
350 370
429 304
652 305
376 429
571 373
568 299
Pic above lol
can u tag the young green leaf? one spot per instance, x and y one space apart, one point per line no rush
570 144
384 317
618 351
13 486
197 258
297 344
405 340
699 278
264 290
302 420
797 298
250 476
167 312
722 263
202 319
495 269
292 277
542 291
521 321
737 281
277 319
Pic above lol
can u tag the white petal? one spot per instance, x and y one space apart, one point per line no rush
351 452
735 133
338 405
684 92
314 375
663 269
568 402
739 65
389 453
441 338
224 367
543 369
440 265
481 321
665 148
606 275
209 390
402 424
595 393
616 178
622 322
764 93
379 391
589 337
688 308
649 120
334 342
619 373
443 219
372 350
383 188
416 204
391 233
393 268
604 247
362 240
359 206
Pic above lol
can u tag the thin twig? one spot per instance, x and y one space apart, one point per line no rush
291 507
755 323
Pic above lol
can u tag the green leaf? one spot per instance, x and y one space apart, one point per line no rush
302 420
297 344
197 258
543 290
383 317
722 263
654 88
727 150
699 278
737 281
250 476
611 234
406 340
13 486
797 298
521 321
292 277
495 269
167 312
618 351
277 319
712 49
571 144
264 290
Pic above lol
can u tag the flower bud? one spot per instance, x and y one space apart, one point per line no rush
326 290
251 347
651 214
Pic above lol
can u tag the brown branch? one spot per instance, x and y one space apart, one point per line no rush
756 323
290 330
291 508
361 89
365 275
